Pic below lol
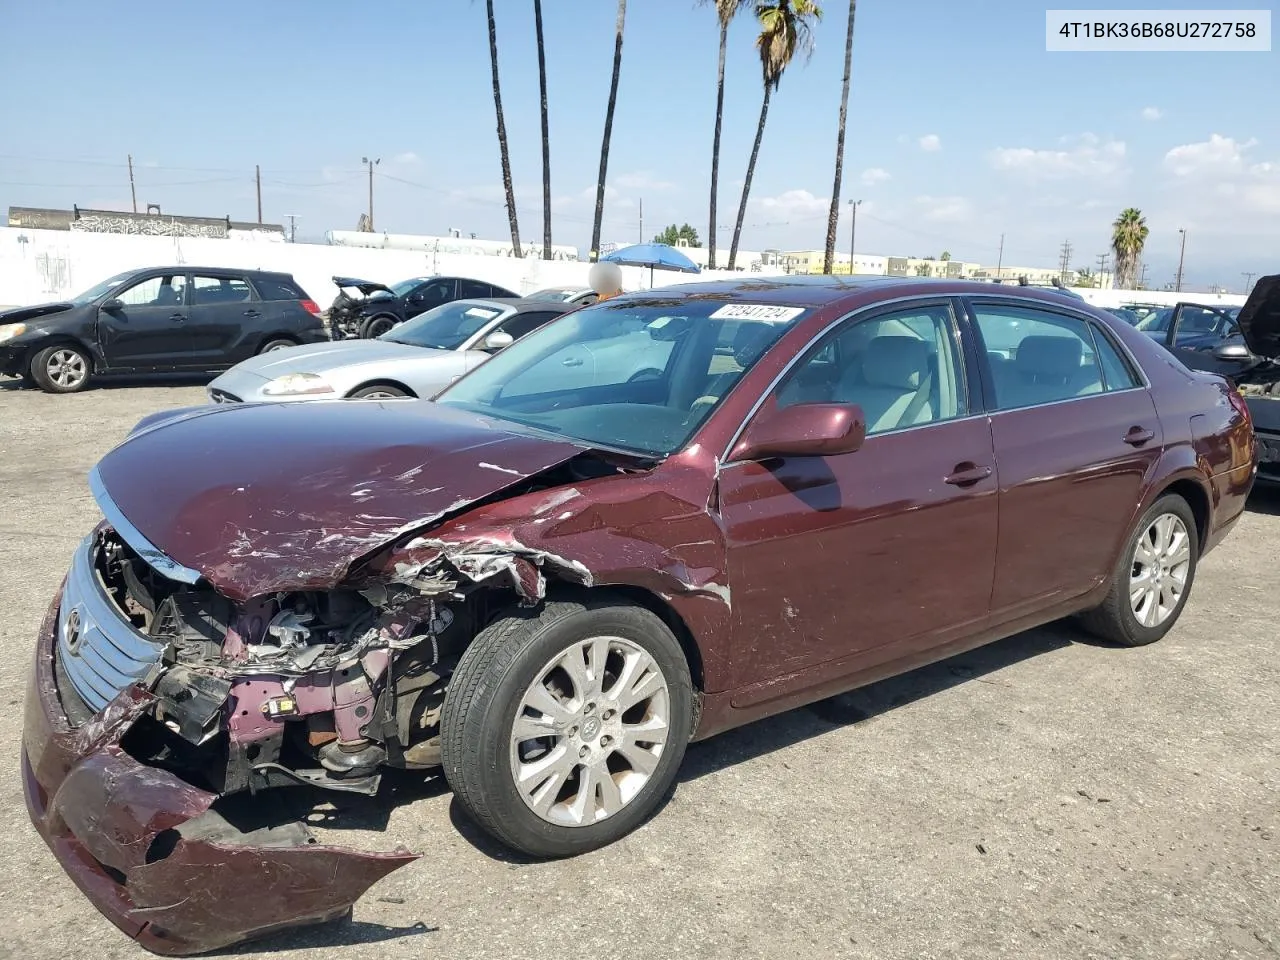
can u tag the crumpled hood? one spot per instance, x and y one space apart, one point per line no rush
19 314
263 498
1259 318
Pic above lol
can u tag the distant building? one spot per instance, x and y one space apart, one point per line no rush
153 223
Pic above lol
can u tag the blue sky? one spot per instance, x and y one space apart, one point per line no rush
962 127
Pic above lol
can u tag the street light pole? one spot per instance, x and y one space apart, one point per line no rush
853 231
1177 283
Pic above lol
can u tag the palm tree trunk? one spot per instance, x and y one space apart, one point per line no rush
502 135
546 134
608 132
751 171
715 148
833 216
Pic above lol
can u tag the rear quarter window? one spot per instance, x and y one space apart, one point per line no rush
278 290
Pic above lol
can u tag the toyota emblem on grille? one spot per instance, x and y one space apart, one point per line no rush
72 633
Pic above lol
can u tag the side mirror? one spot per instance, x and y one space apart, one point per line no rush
498 340
803 430
418 297
114 305
1232 350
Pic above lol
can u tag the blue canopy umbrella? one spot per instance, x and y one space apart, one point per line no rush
651 255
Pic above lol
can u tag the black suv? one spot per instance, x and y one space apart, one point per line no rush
379 308
160 319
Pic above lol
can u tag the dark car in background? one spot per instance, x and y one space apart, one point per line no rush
160 319
368 309
546 588
1239 343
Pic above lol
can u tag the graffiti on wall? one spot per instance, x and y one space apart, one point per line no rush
147 226
55 273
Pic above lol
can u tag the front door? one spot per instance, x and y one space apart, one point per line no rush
1075 432
837 564
148 328
1197 332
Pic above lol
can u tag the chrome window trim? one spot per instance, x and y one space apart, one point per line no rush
161 562
813 341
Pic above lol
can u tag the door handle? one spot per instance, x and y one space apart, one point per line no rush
571 362
178 317
967 474
1137 436
252 313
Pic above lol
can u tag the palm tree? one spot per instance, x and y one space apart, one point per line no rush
726 10
608 131
833 215
1128 237
502 135
786 28
546 133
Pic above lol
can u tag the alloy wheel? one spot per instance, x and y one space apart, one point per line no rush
589 731
66 368
1161 564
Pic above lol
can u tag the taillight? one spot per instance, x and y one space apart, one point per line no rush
311 307
1239 405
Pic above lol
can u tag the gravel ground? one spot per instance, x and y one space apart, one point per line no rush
1043 797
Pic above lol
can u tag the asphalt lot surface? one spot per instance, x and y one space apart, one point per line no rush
1046 796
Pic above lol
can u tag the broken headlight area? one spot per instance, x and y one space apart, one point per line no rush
317 688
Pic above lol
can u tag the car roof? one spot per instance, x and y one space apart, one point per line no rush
818 290
215 271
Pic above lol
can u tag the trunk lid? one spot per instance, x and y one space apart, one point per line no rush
1259 318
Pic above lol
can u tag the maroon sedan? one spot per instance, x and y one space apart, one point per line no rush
654 519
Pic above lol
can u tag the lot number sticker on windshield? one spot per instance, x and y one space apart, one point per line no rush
482 313
760 312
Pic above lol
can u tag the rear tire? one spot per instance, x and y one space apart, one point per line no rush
375 327
617 719
1153 578
378 391
278 344
62 368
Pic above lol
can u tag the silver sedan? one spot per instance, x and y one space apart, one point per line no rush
418 358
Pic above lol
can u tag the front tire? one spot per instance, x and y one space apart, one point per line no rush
376 326
378 391
1153 578
563 728
271 346
62 368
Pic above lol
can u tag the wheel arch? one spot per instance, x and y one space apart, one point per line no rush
369 321
96 362
1197 498
381 382
282 335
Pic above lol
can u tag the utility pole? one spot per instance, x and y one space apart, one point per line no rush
1000 259
257 178
1102 267
1064 261
370 164
1248 282
132 189
641 240
1142 281
1177 283
853 231
293 227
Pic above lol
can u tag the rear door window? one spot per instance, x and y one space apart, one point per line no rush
215 291
278 290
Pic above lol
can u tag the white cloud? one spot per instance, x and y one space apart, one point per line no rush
944 209
1152 113
793 204
930 143
874 175
641 180
1217 155
1088 156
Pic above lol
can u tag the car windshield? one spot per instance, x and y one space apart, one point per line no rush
448 326
640 374
552 293
98 289
403 288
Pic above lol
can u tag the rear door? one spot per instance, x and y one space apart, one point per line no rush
226 321
148 330
1075 433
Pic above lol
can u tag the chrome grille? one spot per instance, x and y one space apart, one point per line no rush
100 650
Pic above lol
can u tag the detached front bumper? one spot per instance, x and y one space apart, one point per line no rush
147 849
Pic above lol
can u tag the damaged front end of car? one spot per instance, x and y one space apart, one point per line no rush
161 709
